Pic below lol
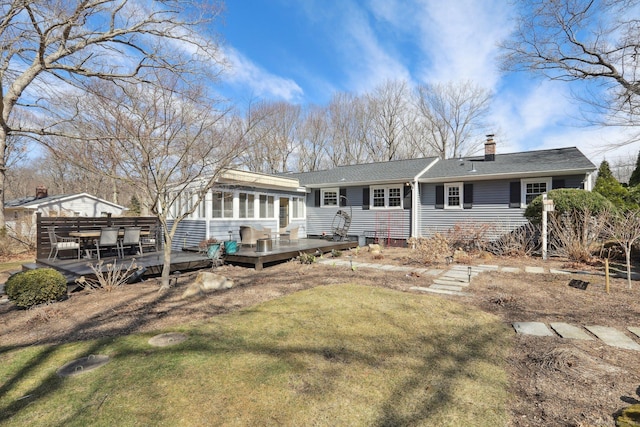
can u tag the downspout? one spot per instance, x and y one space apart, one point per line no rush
415 206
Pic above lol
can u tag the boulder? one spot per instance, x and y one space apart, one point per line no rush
206 282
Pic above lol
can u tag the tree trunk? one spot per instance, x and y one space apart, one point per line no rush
627 254
3 175
165 280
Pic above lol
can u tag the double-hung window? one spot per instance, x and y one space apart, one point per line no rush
386 197
297 207
532 188
247 205
266 206
453 195
329 197
222 204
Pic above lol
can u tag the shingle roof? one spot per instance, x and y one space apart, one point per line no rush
397 170
32 200
557 161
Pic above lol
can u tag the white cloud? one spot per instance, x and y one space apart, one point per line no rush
243 72
460 39
366 60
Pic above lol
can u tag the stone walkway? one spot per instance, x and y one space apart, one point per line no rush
455 279
608 335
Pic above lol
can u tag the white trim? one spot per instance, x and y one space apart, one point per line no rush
547 180
332 190
386 189
460 187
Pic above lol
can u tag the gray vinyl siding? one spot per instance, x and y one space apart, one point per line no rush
490 207
190 232
383 223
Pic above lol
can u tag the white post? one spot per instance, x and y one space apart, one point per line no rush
544 226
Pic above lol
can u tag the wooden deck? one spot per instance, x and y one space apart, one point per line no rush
152 262
192 260
283 250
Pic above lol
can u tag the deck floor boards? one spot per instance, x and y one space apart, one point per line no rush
191 260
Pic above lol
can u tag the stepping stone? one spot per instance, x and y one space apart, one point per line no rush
446 287
554 271
566 330
434 272
437 291
444 281
535 270
511 270
538 329
489 267
634 330
613 337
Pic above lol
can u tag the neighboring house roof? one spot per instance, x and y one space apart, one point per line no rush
35 203
393 171
559 161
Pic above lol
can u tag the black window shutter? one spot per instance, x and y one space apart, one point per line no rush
514 194
365 198
557 183
439 196
468 196
408 197
316 195
343 197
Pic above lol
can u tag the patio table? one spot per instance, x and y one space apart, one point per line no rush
88 236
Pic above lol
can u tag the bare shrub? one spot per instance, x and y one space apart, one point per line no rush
469 236
576 235
107 277
432 249
521 241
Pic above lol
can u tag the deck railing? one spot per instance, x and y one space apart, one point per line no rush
65 225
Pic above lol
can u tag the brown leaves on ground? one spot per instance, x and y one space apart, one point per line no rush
554 381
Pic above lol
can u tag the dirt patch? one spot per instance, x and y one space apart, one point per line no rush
554 381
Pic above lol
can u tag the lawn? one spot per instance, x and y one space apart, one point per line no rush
331 355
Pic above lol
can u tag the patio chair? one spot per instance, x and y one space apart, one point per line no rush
150 241
214 253
59 243
131 238
108 240
291 234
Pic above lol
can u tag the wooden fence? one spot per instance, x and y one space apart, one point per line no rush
65 225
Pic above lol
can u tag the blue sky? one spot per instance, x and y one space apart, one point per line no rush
302 51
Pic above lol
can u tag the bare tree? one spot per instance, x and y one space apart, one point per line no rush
349 122
313 135
273 137
159 138
389 110
624 228
595 41
454 116
51 46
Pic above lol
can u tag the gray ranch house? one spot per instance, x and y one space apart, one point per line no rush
400 199
390 201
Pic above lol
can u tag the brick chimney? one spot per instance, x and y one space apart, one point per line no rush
41 192
489 149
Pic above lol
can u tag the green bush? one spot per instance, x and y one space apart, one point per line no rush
569 201
33 287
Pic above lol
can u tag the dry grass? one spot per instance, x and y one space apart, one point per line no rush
332 355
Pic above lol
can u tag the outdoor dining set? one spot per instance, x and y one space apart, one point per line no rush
94 243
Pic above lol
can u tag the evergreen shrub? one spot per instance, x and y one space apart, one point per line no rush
29 288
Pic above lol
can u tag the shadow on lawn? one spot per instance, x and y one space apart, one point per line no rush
458 351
